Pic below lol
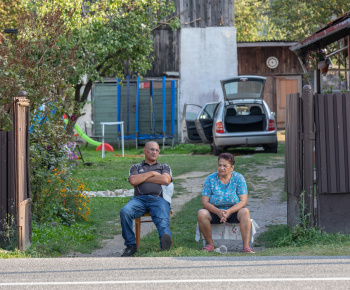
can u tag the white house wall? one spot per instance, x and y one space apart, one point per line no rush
207 55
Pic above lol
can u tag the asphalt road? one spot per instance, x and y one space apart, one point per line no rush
177 273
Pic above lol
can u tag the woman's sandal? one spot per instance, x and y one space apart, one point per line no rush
208 248
248 250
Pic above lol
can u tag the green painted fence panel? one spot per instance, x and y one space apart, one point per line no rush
150 117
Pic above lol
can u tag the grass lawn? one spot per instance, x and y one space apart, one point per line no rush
111 173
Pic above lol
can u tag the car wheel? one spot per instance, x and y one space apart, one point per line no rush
216 150
272 149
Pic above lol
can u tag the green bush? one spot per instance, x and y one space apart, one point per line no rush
56 195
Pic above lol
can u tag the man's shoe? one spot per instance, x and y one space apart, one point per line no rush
165 242
129 251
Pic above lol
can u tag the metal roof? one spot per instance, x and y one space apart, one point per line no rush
333 31
268 43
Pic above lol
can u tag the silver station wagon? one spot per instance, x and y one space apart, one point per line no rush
242 120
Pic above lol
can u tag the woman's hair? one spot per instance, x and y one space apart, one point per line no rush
227 156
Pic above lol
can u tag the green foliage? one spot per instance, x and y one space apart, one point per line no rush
301 235
106 37
9 13
13 254
298 19
188 148
252 22
56 195
59 197
61 48
55 239
8 234
283 236
284 19
33 62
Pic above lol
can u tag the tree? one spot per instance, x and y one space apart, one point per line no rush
298 19
33 62
9 13
252 22
107 35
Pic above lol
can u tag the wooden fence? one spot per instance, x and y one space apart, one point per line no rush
15 202
317 142
332 121
7 182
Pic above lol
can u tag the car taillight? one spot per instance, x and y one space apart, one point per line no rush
219 128
272 126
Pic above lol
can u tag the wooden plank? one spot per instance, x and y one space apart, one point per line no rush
335 216
208 16
11 174
331 160
347 137
292 157
184 12
27 160
321 141
341 176
201 14
215 13
3 177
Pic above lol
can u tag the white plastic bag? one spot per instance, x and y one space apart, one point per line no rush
168 191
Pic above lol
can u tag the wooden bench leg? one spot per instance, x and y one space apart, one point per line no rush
138 231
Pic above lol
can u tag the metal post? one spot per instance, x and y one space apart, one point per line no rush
172 112
118 108
309 138
103 140
164 102
137 109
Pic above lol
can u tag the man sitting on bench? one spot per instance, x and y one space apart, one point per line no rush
224 198
147 179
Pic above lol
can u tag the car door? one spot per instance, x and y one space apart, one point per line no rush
189 130
204 122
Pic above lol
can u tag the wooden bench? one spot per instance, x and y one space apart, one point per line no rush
138 222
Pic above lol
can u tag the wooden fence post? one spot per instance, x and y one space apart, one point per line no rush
293 184
22 173
309 138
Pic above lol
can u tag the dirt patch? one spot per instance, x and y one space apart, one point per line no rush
281 136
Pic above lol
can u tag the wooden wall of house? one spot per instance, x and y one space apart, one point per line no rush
166 52
252 61
205 13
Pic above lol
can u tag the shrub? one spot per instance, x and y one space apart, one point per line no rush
61 199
